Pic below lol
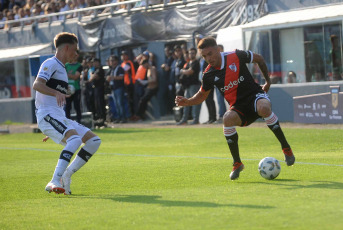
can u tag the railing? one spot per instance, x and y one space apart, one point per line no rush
84 12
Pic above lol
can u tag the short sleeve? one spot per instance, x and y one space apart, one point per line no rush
46 70
245 56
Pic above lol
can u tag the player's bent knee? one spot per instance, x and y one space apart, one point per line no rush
73 143
264 110
93 144
231 118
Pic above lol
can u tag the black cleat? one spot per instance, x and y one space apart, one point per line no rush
289 156
237 168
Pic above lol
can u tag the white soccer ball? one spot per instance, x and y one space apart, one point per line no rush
269 168
71 89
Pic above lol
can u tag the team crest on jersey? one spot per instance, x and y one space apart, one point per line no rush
45 68
216 78
233 67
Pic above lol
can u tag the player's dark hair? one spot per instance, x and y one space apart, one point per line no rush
207 42
65 38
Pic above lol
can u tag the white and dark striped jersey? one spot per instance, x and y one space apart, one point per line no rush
53 71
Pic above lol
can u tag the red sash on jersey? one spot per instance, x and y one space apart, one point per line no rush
231 78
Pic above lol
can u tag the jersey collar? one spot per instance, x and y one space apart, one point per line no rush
59 62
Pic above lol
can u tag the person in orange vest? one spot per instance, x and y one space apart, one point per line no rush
151 88
141 74
129 81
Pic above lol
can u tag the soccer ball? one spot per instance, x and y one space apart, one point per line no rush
269 168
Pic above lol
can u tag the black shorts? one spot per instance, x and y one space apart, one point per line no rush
247 110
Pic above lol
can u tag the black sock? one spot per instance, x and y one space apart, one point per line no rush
276 129
232 141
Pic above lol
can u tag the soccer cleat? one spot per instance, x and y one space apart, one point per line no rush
237 168
65 181
55 187
289 157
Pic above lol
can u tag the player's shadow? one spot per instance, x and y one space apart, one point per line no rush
314 184
153 199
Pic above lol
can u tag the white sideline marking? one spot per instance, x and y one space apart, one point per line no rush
168 156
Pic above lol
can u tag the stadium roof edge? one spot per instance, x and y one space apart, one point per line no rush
24 52
297 18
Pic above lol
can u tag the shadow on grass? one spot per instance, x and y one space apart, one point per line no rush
314 184
147 199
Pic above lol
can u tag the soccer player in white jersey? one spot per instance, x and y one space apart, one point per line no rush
51 85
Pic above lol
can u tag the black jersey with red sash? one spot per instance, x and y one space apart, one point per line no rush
233 79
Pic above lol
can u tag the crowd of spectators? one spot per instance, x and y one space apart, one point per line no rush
18 9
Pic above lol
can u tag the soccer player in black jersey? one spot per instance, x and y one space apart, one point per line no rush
248 100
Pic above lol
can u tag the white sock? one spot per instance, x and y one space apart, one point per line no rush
86 152
73 143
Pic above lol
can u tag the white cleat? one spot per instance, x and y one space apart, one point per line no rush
55 187
65 181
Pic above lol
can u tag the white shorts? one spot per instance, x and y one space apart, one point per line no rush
56 126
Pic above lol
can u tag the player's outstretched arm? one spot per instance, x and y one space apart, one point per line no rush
264 69
198 98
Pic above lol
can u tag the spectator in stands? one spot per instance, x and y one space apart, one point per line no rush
13 3
151 84
72 4
291 77
169 92
27 13
16 12
141 75
49 10
335 58
115 77
87 86
190 82
129 81
81 4
63 8
29 4
185 52
74 74
2 20
21 13
98 80
179 63
9 17
123 6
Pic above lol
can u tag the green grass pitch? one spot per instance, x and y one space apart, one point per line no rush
175 178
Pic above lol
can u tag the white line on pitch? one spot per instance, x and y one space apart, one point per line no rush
166 156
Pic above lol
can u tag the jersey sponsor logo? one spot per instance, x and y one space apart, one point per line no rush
233 67
61 88
56 124
232 84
